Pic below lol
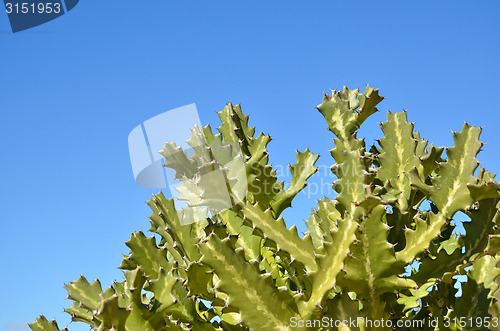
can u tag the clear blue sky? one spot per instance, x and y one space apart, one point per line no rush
71 91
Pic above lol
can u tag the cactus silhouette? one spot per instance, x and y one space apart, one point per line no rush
241 268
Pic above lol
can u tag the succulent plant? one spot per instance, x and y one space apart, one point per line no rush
228 261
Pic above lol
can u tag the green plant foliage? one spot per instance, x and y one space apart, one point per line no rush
239 267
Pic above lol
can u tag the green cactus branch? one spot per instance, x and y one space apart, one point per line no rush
228 261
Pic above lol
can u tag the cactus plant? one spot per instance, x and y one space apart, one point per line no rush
238 266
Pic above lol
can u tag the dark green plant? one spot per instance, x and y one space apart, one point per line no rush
241 268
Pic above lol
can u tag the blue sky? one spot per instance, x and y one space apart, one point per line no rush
71 91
